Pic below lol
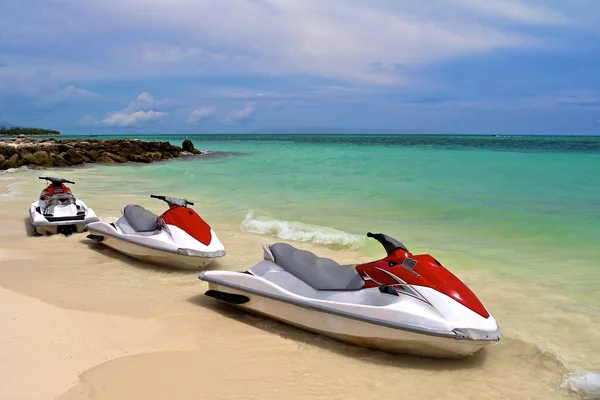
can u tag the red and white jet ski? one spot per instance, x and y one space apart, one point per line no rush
178 238
58 211
402 303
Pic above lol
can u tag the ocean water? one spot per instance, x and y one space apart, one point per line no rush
512 202
519 217
522 207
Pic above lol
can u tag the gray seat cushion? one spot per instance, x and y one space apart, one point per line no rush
140 219
320 273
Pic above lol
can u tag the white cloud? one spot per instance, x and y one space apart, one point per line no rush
132 119
352 40
200 114
241 115
133 114
146 100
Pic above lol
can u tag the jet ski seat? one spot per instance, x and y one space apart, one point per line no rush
140 219
318 272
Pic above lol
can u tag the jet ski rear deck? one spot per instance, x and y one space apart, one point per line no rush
58 211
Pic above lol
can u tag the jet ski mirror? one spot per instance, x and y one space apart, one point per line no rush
389 243
56 181
173 201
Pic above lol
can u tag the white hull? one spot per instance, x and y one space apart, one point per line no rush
64 218
355 331
158 247
419 321
154 256
52 229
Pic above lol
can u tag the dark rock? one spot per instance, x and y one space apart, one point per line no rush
105 160
23 152
63 153
63 148
58 161
114 157
93 155
10 163
187 145
42 158
29 159
5 151
75 158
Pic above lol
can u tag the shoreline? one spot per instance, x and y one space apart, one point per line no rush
102 316
52 153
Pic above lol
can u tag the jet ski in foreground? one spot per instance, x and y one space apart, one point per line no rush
178 238
58 211
403 303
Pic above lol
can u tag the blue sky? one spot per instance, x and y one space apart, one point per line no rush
195 66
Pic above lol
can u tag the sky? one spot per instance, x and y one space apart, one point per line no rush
235 66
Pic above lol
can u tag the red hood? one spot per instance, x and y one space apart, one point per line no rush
188 220
427 272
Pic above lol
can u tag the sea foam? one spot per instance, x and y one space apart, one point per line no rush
9 190
587 385
11 170
301 232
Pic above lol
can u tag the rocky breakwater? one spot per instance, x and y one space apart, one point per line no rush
52 153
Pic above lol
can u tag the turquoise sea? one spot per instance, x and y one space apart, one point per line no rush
523 207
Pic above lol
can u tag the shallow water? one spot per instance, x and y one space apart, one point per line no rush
517 221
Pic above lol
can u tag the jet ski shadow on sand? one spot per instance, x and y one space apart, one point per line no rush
58 211
403 303
178 238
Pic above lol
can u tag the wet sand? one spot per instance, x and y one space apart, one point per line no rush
79 321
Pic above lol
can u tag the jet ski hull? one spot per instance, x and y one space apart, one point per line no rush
60 227
151 251
363 325
353 331
66 223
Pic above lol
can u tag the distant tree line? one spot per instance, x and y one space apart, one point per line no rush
17 130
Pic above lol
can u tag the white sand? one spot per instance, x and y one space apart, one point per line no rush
82 322
44 348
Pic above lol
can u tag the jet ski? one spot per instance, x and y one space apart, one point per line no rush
58 211
178 238
402 303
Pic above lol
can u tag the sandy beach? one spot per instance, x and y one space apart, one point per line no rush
445 155
80 321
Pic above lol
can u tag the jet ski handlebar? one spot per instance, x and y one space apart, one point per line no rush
389 243
173 200
55 181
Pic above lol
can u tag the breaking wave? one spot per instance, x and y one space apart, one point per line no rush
9 190
586 385
300 232
11 170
